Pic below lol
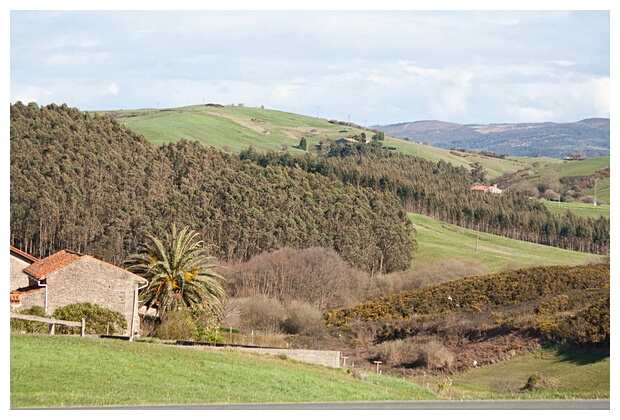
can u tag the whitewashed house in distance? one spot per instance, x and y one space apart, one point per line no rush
487 189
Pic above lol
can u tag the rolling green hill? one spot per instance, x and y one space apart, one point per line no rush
153 374
236 128
443 245
563 175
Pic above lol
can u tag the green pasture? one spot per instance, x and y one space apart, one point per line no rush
92 372
235 128
579 209
64 371
582 374
439 242
558 168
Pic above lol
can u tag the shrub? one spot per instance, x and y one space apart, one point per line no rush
262 314
431 354
177 325
302 318
21 325
443 385
395 352
99 320
207 324
538 381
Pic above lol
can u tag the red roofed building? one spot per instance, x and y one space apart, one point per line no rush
487 189
69 277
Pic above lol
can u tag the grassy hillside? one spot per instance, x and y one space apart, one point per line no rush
236 128
569 375
135 373
550 171
444 245
151 374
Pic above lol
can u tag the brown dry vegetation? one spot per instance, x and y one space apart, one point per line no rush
499 316
418 323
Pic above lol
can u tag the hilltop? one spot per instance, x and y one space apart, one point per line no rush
235 128
589 137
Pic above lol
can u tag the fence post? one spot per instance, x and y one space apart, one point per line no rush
52 324
83 328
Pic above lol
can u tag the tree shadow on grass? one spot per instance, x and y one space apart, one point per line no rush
583 356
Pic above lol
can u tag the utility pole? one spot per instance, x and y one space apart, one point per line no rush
595 181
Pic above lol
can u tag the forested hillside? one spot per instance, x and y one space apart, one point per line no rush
442 191
89 184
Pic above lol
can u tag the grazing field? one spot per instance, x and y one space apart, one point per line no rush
552 170
90 372
236 128
441 244
64 371
563 375
579 209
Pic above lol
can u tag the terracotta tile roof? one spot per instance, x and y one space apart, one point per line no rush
23 254
479 188
15 300
42 268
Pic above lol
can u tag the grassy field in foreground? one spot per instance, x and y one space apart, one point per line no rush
75 371
439 241
90 372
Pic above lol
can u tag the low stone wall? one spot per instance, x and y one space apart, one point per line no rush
318 357
327 358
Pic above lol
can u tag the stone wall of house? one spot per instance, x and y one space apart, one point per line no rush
30 299
18 277
97 282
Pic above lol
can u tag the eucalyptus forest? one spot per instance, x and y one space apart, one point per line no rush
87 183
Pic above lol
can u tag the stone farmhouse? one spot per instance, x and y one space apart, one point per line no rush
69 277
348 140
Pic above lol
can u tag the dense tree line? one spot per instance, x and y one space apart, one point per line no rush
87 183
443 191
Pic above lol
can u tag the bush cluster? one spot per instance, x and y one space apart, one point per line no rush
99 320
478 292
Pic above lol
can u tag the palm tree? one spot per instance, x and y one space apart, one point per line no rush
178 272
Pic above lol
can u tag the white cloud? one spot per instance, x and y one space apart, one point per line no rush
29 93
77 61
532 114
380 66
111 89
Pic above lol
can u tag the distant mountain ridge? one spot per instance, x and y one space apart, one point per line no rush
589 137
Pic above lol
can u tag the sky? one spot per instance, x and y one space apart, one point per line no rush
370 67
